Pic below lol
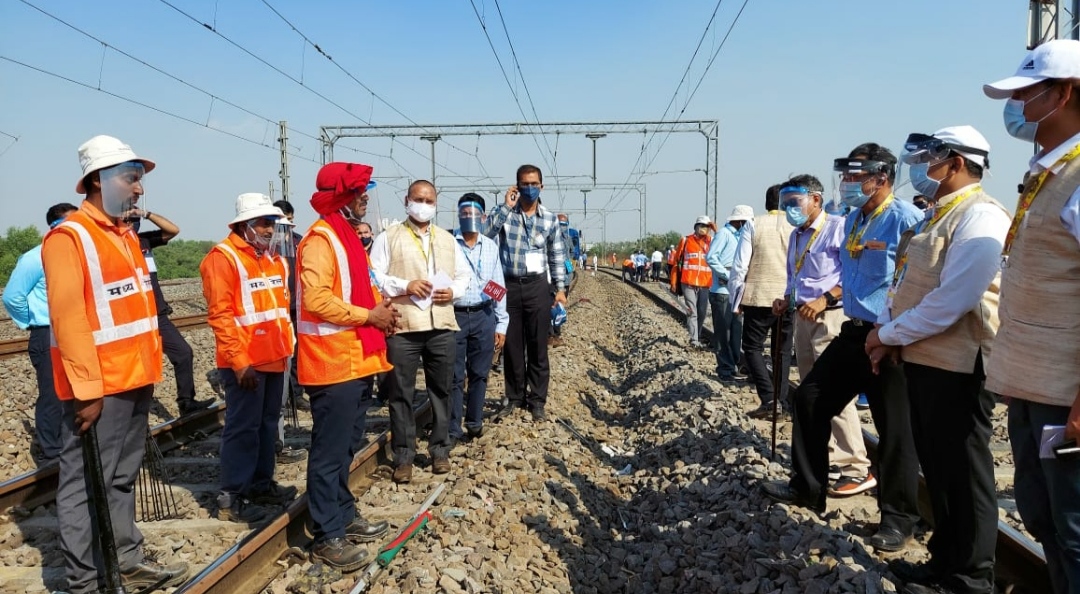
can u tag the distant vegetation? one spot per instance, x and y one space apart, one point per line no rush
179 259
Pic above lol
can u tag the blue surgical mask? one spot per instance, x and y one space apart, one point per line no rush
852 195
529 193
922 182
1017 124
796 216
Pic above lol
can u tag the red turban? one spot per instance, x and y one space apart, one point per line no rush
337 184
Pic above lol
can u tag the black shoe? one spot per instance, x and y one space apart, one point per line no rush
151 575
507 410
365 531
290 455
733 379
782 492
474 433
538 415
189 406
272 494
764 412
339 553
914 588
889 540
914 573
234 508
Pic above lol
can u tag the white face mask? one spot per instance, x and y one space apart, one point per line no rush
420 212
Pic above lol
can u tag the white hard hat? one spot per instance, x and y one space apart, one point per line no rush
102 152
702 220
254 205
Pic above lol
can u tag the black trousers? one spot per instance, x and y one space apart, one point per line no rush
841 372
438 350
950 420
180 355
335 409
48 413
525 353
756 324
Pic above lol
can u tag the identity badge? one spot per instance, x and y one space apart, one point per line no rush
494 290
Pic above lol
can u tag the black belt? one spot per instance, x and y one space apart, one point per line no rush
37 327
473 308
524 280
860 322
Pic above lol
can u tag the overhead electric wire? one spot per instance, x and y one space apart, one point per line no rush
148 106
374 95
506 77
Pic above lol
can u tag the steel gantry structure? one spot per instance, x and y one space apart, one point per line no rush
1052 19
709 129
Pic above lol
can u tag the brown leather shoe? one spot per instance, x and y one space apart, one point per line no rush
403 473
440 466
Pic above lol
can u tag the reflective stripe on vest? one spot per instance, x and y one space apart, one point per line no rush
326 328
248 286
106 292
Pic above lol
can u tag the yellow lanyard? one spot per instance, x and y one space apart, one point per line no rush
857 231
1029 196
939 212
416 238
810 243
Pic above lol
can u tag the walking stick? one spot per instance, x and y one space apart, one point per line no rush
100 508
777 374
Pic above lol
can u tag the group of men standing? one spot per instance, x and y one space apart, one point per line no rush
423 296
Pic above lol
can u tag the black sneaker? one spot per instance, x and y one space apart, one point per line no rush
151 575
339 553
234 508
272 494
189 406
290 455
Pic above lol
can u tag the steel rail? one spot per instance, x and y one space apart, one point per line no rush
18 346
1020 562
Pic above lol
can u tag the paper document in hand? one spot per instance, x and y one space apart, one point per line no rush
439 280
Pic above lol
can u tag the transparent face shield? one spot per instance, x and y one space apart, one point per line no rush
852 176
470 217
121 187
259 232
282 242
922 151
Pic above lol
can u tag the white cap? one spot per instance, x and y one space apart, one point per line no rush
741 212
254 205
1059 58
101 152
702 220
965 136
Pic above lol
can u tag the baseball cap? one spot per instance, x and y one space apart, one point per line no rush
1059 58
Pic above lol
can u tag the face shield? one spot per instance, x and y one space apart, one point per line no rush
852 176
470 217
281 242
259 232
922 151
121 187
797 202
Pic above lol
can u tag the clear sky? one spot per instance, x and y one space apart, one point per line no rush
797 84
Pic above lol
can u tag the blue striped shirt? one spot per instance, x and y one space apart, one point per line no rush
866 278
520 234
24 295
484 266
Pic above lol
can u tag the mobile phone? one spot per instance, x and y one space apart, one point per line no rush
1069 450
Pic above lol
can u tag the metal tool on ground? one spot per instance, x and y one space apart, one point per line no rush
99 504
777 375
154 489
386 554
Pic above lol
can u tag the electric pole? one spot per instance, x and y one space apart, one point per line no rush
271 190
283 143
593 136
585 215
1052 19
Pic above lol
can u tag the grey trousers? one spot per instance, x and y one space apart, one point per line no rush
121 438
438 350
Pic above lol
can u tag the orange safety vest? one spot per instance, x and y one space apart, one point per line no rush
260 306
690 258
628 263
328 353
121 310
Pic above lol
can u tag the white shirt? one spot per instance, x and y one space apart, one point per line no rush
972 261
741 265
1070 215
657 256
392 286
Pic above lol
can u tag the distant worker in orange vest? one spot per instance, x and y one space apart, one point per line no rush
691 277
342 340
106 358
246 287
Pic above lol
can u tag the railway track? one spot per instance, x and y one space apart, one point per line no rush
1020 563
18 346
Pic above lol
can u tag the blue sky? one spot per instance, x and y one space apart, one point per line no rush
797 84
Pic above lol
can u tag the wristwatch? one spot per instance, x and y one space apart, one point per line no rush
830 299
147 214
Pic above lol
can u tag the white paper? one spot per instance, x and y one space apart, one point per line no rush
440 280
1051 436
534 262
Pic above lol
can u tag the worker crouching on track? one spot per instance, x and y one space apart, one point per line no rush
106 358
247 303
342 333
941 315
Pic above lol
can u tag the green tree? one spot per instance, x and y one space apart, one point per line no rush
16 242
181 258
